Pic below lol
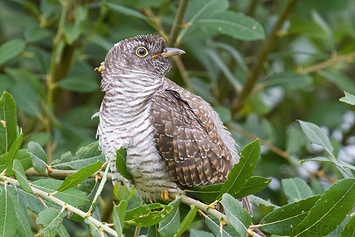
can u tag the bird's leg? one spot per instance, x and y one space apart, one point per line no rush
165 196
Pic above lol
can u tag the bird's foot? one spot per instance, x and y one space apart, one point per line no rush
165 196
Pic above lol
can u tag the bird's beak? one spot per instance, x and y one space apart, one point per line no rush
169 52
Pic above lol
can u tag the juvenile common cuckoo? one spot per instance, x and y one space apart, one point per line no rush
174 139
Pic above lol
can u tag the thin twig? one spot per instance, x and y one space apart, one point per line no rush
65 205
259 65
205 208
266 143
333 60
179 17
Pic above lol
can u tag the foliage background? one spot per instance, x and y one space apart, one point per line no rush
260 87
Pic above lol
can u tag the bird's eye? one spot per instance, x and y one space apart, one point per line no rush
141 52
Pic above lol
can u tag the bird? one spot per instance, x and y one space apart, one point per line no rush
174 139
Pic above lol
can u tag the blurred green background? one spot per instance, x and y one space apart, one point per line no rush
50 48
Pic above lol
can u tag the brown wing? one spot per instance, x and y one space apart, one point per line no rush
188 141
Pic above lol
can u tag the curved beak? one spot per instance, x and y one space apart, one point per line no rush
169 52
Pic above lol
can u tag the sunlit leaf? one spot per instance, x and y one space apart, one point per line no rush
348 98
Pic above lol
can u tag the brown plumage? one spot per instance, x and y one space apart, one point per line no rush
174 139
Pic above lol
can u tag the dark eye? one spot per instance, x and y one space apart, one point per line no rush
141 52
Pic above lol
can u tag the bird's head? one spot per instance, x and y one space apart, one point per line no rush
142 55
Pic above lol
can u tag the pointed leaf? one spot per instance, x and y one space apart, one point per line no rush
147 215
11 49
125 10
75 179
234 24
254 185
23 228
101 186
238 217
187 221
339 163
21 176
329 211
122 192
8 122
12 154
284 219
118 215
39 157
243 170
71 196
121 163
7 214
296 189
170 225
348 98
316 135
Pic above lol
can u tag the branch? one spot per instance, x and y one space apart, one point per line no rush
62 174
205 208
65 205
259 65
333 60
266 143
179 17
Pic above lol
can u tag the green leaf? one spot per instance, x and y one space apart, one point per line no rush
343 82
284 219
316 135
259 201
12 154
23 228
288 80
121 163
21 176
11 49
201 9
234 24
254 185
339 163
72 32
8 122
153 232
102 184
200 233
317 18
7 214
122 192
36 33
243 170
214 225
118 215
125 10
207 193
79 83
349 229
75 179
296 189
348 98
170 225
238 217
329 211
187 221
39 157
72 196
52 219
147 215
